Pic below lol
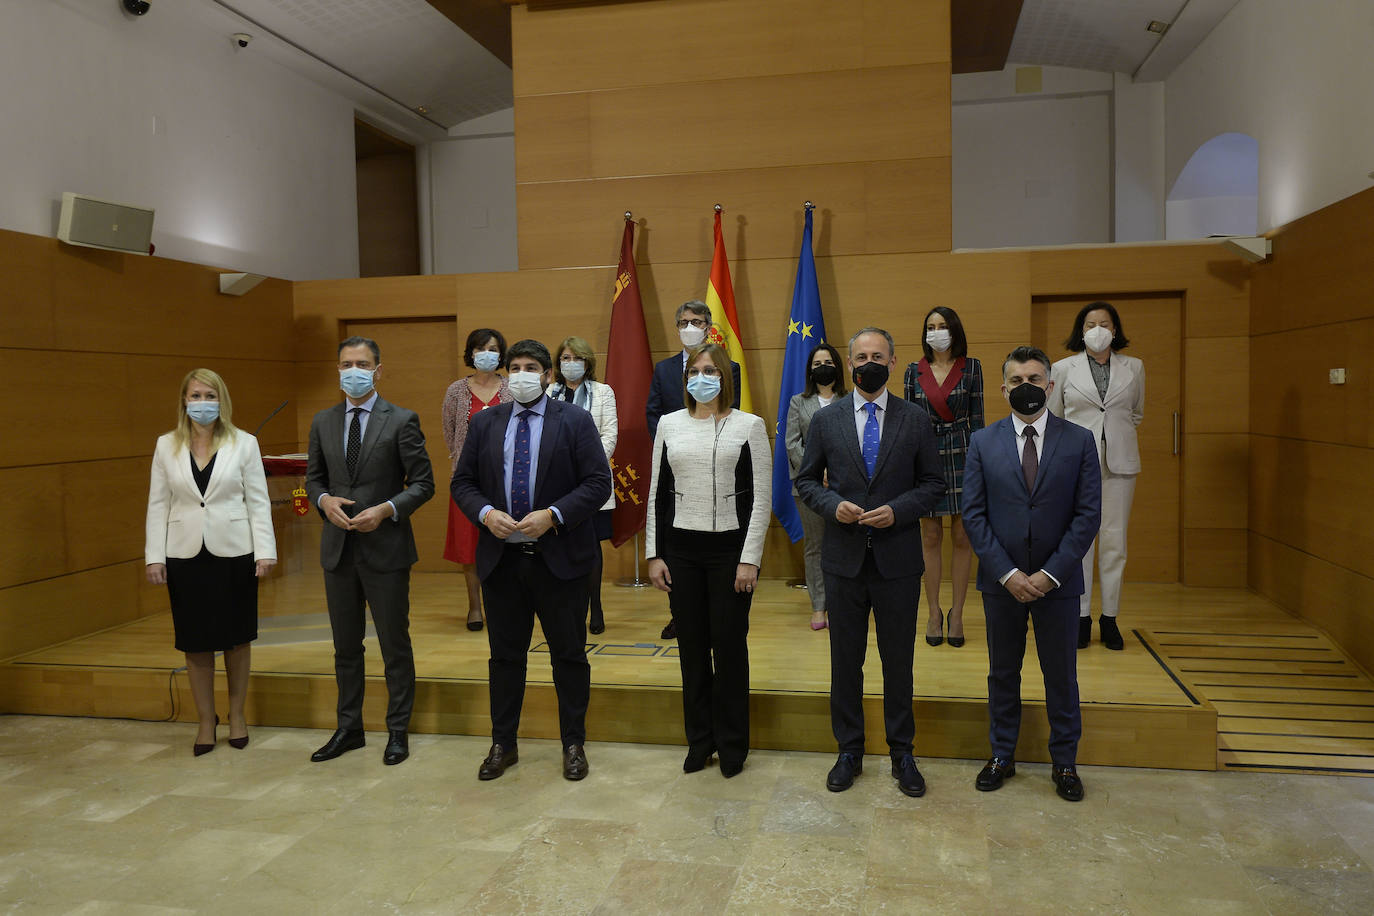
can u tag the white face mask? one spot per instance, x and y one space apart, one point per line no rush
939 340
526 386
573 369
486 360
691 335
1098 338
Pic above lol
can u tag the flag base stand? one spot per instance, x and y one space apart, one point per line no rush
636 581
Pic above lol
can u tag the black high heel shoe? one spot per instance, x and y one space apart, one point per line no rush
597 625
936 640
239 744
956 641
475 625
198 750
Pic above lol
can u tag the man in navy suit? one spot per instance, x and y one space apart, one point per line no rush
693 320
531 476
1032 506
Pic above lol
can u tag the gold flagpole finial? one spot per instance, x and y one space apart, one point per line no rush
719 208
628 216
809 205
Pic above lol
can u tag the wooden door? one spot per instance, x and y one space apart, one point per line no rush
419 360
1154 324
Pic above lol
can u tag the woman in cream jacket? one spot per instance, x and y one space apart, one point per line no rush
1103 390
209 538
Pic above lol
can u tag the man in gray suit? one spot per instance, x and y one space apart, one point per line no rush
871 470
368 473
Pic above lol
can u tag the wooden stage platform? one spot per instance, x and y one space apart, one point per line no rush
1209 678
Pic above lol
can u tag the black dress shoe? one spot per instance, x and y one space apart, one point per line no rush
909 778
1111 636
397 749
498 761
991 776
697 759
342 741
729 768
842 774
1067 783
575 762
670 631
1085 632
200 750
936 640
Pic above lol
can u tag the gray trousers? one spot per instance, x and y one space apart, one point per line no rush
813 533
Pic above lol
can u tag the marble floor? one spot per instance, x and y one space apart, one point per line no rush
116 816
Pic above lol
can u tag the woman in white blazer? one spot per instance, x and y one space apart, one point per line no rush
209 539
1103 390
574 380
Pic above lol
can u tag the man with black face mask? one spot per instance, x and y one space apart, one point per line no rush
871 470
1032 505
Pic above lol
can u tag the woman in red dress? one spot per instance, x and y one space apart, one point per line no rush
484 353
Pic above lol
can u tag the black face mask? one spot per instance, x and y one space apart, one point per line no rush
824 375
870 377
1027 399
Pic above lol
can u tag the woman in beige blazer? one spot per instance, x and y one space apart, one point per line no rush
574 375
209 539
1103 390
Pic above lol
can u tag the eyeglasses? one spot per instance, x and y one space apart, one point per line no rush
695 322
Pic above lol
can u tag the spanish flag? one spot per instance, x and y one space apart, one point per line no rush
720 296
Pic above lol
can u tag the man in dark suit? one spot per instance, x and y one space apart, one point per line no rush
871 469
532 475
1032 505
368 472
693 320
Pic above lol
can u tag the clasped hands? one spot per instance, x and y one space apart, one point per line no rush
746 576
1026 589
533 525
366 520
847 513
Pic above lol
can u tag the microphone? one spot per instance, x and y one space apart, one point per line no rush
270 416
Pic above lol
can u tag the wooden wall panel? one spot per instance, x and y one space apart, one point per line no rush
655 43
1300 400
1216 463
49 611
1218 401
864 207
26 282
31 541
1215 557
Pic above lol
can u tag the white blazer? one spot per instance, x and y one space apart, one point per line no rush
603 411
233 518
1112 419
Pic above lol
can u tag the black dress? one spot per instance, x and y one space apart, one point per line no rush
214 599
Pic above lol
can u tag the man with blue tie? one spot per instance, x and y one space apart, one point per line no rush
1032 505
871 470
532 475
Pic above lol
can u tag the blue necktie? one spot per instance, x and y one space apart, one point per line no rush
870 443
520 469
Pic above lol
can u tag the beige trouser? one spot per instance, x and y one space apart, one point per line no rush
1110 547
813 532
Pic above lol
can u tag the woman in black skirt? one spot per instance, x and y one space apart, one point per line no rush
209 539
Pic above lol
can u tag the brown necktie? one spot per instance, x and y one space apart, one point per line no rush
1030 461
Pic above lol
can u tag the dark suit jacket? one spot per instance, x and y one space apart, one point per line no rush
1050 528
907 477
393 465
572 475
665 391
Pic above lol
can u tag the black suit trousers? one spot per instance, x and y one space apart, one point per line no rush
520 588
1056 644
348 587
894 603
712 639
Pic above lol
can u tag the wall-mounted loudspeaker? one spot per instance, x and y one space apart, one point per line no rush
102 224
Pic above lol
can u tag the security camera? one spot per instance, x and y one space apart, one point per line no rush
242 38
136 7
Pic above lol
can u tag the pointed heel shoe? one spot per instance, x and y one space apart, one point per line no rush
936 640
198 750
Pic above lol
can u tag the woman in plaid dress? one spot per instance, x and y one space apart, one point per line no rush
948 383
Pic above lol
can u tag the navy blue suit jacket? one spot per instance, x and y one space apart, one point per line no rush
1050 527
665 391
572 476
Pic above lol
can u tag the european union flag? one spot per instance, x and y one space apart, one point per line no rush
805 329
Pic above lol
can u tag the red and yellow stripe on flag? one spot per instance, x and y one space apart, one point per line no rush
720 296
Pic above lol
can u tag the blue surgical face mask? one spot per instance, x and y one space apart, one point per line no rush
203 412
355 382
705 388
573 369
486 360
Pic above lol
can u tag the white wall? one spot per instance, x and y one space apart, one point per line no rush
248 165
467 200
1296 77
1137 160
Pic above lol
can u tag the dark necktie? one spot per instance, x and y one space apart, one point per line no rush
871 439
355 441
520 469
1030 461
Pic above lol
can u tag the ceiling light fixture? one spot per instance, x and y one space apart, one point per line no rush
1159 28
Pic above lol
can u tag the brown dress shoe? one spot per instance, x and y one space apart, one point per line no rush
498 761
575 762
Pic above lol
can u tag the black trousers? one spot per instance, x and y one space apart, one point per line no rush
893 602
519 589
348 588
1056 643
712 638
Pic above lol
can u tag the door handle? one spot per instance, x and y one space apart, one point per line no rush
1176 440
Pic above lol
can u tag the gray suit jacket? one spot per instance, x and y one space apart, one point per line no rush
393 465
907 477
800 411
